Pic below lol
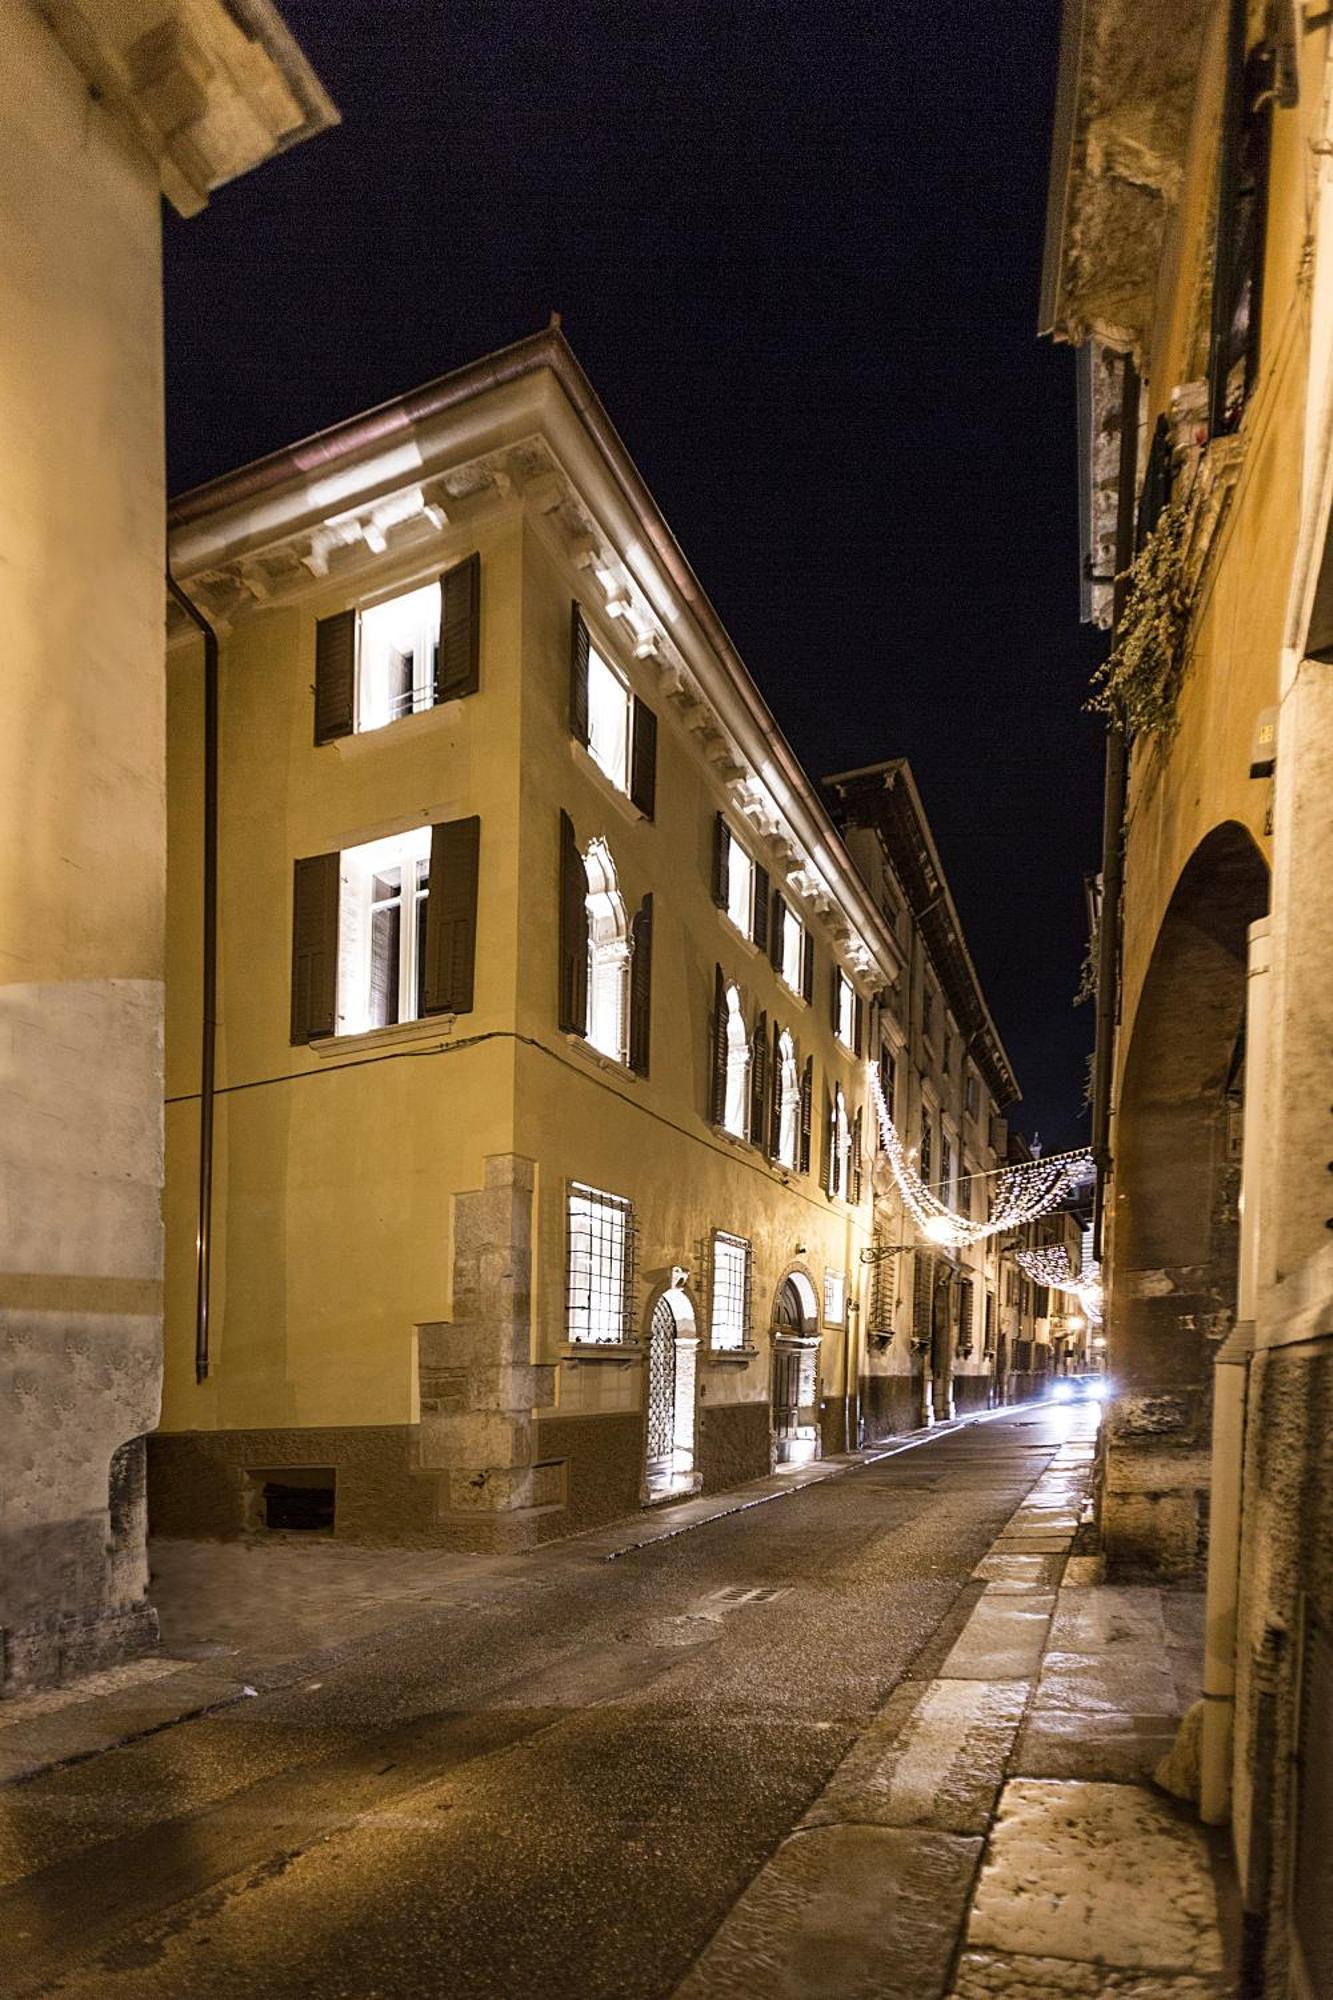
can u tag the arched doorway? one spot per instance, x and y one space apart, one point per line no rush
795 1377
1174 1238
669 1396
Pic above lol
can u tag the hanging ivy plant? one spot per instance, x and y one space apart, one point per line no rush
1139 685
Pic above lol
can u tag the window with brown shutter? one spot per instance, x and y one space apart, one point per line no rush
807 1110
758 1080
858 1023
643 759
775 1095
578 677
458 656
315 891
717 1088
451 917
721 860
335 677
923 1282
808 970
965 1316
573 932
641 987
830 1163
759 933
854 1193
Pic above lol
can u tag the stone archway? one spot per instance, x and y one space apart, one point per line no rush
670 1415
794 1385
1175 1231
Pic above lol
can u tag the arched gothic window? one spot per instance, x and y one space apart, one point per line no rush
608 955
736 1105
789 1101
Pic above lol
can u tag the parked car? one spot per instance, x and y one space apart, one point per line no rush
1079 1389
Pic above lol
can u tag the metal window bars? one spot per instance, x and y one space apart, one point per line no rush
601 1267
729 1321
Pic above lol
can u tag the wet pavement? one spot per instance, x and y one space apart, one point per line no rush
557 1773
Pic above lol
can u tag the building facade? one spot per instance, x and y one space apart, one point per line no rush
545 989
1189 255
103 110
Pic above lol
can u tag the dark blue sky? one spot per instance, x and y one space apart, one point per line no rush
797 250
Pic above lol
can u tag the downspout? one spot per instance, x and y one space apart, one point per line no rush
209 982
1113 819
1231 1380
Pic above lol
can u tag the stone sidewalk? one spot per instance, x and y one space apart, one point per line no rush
996 1830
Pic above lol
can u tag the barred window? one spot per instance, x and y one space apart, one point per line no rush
730 1323
883 1293
600 1302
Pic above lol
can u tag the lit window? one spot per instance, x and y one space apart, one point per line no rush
740 888
382 931
846 1024
792 960
736 1108
600 1296
789 1101
608 956
396 652
730 1320
840 1148
835 1298
608 720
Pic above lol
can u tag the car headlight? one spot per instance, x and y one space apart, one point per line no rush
1062 1392
1099 1391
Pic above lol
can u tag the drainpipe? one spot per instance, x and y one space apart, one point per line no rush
209 994
1230 1392
1113 818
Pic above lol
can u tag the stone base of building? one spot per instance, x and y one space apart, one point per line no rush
210 1485
596 1464
734 1443
1153 1485
60 1649
970 1394
890 1405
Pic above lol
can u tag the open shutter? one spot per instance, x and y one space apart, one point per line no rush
858 1022
835 982
643 759
807 1110
315 892
578 677
760 931
573 932
777 926
808 968
458 658
641 986
758 1080
922 1279
965 1316
451 916
335 676
828 1160
717 1091
854 1193
775 1095
721 859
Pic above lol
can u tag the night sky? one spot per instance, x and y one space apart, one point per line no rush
797 250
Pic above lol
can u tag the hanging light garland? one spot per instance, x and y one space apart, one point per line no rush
1051 1266
1020 1194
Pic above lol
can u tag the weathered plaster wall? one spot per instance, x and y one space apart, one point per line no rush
81 864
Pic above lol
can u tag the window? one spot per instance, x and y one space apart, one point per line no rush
840 1147
927 1011
736 1104
788 1084
740 888
383 891
608 956
947 1059
729 1326
835 1298
608 720
396 657
845 1015
924 1159
600 1300
1241 211
946 1167
791 950
888 1080
970 1094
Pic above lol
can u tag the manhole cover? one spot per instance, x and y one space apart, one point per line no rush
752 1593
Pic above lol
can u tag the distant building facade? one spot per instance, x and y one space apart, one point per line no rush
1190 255
103 110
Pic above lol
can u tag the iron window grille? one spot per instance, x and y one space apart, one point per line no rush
599 1306
729 1322
883 1293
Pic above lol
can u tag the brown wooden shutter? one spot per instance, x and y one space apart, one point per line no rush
965 1315
808 968
835 977
858 1022
854 1195
758 1080
760 929
922 1282
451 916
807 1110
573 932
775 929
315 892
335 677
643 759
717 1090
641 987
458 657
721 859
775 1095
578 677
828 1164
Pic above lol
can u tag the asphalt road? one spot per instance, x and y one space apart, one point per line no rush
558 1782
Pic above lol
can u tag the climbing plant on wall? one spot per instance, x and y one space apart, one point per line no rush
1138 686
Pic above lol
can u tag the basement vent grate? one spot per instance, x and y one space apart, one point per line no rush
754 1593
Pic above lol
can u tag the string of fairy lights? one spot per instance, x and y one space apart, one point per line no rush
1051 1266
1020 1193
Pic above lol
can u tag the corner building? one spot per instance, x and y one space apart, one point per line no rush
544 996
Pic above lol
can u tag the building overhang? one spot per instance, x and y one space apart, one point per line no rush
1125 87
208 88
